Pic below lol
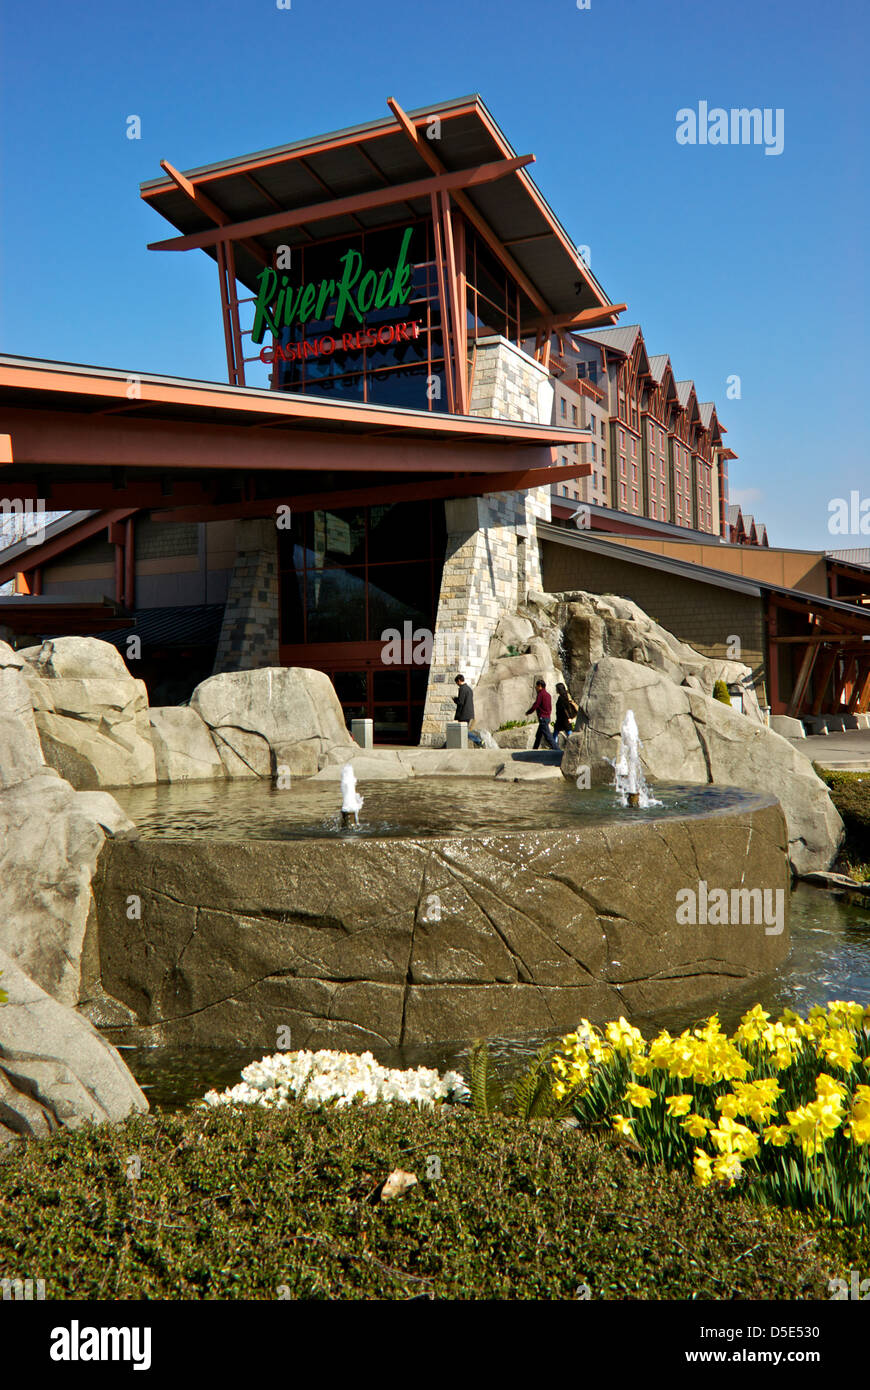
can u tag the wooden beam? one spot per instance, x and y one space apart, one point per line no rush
803 680
586 318
337 207
211 209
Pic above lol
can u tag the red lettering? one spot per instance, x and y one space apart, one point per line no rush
390 330
402 332
347 342
267 354
358 341
323 343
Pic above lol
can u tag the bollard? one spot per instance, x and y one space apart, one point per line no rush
363 732
457 734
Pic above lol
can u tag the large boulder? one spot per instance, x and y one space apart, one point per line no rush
15 696
687 736
519 654
50 840
598 625
90 713
184 750
55 1068
274 717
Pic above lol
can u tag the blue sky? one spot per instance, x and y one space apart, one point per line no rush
735 262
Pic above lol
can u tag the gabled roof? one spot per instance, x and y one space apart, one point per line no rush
621 339
658 365
684 391
706 410
734 514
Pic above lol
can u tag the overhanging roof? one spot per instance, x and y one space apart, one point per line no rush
378 154
850 613
75 436
47 616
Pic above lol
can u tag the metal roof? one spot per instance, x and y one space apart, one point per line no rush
701 574
859 556
658 364
197 625
54 528
684 391
369 157
620 339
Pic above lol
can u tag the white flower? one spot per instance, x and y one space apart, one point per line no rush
339 1078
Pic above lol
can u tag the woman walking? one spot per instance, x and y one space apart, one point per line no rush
566 711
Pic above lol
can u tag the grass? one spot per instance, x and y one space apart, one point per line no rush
850 793
239 1203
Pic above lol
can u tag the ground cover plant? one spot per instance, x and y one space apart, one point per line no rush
264 1203
850 793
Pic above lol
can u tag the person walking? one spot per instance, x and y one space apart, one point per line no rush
464 702
566 711
543 708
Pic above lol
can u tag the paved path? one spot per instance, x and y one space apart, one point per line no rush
848 751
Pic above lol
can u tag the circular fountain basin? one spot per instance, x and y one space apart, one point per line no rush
460 907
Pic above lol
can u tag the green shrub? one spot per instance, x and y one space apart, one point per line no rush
850 793
514 724
721 693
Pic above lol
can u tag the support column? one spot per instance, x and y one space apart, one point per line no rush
249 633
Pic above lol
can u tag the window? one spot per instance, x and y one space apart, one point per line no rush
622 439
573 415
602 429
622 491
661 490
661 439
603 452
634 472
634 498
564 462
653 511
563 408
593 453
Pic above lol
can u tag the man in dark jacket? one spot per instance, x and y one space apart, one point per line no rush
464 702
543 708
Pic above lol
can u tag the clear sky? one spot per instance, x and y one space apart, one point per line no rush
736 262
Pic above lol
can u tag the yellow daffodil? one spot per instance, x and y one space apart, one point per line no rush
623 1126
638 1096
727 1168
776 1135
703 1168
696 1125
678 1105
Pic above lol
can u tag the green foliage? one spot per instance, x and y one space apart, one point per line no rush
530 1096
850 793
3 995
487 1097
235 1203
514 724
721 693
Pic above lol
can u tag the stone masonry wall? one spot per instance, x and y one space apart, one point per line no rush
492 557
249 634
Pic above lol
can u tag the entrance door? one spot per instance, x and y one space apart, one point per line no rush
393 697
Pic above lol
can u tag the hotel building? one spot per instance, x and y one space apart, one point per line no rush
417 356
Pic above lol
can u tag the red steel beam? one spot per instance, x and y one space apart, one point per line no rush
58 544
211 209
432 488
49 439
337 207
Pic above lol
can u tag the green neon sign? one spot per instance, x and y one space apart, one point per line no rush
279 304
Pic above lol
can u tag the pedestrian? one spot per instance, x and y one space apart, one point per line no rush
566 711
464 702
543 708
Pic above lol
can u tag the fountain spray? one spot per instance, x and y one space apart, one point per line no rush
351 801
630 782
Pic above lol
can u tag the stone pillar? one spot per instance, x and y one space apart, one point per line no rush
249 632
493 557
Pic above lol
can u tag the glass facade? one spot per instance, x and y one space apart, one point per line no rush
348 579
374 361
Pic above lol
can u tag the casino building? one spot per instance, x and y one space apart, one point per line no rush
424 380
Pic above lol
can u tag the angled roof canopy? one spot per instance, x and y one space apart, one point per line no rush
364 177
